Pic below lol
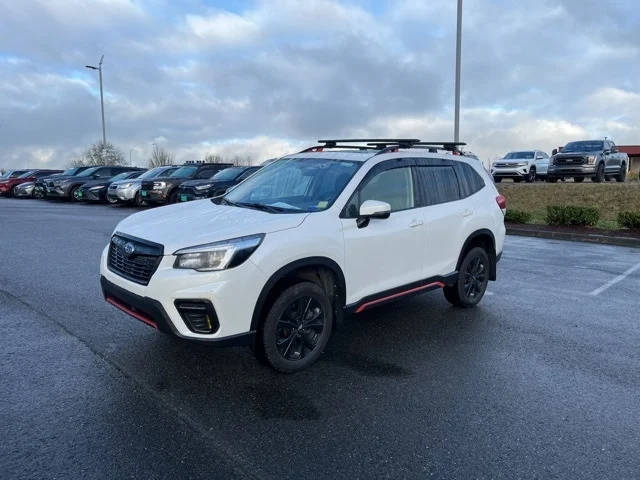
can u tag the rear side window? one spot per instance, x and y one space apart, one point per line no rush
470 181
436 185
394 186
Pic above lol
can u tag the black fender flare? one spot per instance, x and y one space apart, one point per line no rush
286 270
492 255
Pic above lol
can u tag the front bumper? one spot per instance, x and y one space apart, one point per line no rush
516 172
571 170
123 194
232 293
89 195
57 192
155 196
190 196
24 192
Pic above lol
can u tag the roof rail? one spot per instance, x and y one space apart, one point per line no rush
371 143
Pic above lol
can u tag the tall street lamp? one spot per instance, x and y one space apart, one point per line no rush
99 68
456 127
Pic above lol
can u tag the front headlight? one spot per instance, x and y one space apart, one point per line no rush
159 185
591 159
203 187
97 187
521 164
218 255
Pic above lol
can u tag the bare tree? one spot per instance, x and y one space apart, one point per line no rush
100 154
213 158
160 157
2 171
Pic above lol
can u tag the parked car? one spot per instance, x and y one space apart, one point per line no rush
214 186
277 260
96 190
524 165
598 159
40 186
8 185
68 187
24 190
165 189
128 191
12 174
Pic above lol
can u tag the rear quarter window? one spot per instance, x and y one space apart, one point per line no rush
435 185
470 181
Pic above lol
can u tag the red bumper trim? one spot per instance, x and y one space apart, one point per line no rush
396 295
140 317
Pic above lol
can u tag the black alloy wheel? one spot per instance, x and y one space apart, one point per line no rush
473 278
599 177
622 176
74 195
297 328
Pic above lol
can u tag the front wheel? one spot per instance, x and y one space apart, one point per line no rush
531 177
599 177
297 328
137 200
473 278
75 194
622 176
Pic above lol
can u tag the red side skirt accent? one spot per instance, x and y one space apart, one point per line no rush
396 295
142 318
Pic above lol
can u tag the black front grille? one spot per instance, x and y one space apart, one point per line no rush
147 186
133 258
569 161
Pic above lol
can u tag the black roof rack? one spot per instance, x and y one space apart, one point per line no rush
383 145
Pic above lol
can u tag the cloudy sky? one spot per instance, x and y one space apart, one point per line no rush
263 78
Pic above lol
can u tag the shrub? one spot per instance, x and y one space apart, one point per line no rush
629 220
572 215
634 176
518 216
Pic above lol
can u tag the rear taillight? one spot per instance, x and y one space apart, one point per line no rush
502 203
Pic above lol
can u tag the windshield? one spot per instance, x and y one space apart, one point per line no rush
590 146
156 172
121 176
294 185
27 174
228 174
515 155
184 172
88 172
16 173
70 171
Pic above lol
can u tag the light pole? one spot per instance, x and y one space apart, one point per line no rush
99 68
456 127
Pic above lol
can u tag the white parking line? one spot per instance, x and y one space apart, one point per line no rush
619 278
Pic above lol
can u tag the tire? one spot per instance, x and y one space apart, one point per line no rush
73 194
599 177
517 180
137 200
497 179
552 179
111 201
622 176
473 277
531 177
173 197
13 192
284 340
578 179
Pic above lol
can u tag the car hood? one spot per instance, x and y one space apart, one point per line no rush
189 224
167 179
132 180
193 183
577 154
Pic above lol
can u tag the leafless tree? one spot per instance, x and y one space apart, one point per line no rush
100 153
160 157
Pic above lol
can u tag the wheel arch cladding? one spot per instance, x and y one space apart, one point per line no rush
481 238
320 270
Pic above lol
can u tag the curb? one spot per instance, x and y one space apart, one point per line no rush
576 237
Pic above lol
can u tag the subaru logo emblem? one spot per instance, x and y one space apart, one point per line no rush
129 248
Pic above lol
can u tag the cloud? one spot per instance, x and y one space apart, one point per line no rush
271 76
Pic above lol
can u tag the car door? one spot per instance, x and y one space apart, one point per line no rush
386 253
542 163
444 213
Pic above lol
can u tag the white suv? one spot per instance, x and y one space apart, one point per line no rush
276 261
526 165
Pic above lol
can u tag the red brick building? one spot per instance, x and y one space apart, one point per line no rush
634 155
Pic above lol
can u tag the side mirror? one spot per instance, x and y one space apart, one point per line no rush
614 150
372 209
606 152
555 151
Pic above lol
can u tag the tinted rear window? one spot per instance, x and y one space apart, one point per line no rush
436 185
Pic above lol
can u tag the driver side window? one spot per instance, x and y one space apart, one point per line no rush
394 186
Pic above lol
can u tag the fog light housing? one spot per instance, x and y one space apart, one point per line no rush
198 315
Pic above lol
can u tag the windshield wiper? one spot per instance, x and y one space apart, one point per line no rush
264 208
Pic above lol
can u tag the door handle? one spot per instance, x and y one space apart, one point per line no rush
416 222
467 212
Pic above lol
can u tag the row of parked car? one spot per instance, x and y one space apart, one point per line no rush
599 160
126 184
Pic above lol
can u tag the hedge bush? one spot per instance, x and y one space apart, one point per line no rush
572 215
518 216
629 220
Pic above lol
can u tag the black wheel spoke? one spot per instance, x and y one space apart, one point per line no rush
299 328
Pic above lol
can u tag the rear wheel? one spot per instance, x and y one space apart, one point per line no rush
599 177
578 179
472 281
622 176
297 328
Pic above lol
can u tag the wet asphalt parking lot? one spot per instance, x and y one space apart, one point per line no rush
540 381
